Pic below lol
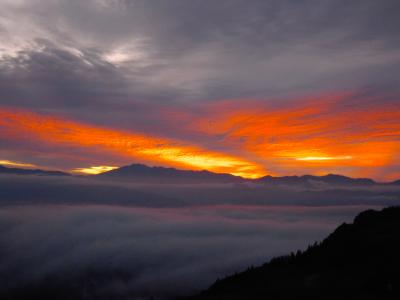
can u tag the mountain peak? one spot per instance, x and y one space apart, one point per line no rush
143 173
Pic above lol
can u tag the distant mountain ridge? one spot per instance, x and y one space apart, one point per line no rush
308 179
142 172
357 261
18 171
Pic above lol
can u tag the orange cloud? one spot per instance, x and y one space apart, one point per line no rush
334 133
22 124
330 134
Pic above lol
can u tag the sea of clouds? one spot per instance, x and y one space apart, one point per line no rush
137 252
77 238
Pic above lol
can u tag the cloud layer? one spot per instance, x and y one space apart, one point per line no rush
117 252
349 133
159 50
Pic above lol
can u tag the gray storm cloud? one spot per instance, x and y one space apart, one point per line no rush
77 53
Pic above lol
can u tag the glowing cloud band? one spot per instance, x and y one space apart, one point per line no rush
22 124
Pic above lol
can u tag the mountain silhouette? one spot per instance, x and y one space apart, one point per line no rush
357 261
18 171
147 174
331 179
143 173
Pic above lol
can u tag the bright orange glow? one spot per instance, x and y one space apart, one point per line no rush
93 170
21 124
330 134
322 158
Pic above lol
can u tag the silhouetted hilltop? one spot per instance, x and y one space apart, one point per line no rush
17 171
139 172
357 261
331 179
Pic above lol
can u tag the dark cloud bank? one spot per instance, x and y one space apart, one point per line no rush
37 190
84 239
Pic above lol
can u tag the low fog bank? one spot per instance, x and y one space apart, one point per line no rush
19 189
119 252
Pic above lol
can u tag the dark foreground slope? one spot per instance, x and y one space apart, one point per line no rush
357 261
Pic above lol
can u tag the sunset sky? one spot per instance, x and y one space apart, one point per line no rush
249 88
